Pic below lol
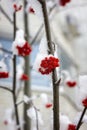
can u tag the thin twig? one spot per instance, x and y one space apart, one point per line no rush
5 50
27 87
81 118
6 88
14 77
6 15
37 34
41 27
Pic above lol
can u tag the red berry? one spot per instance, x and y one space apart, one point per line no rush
84 102
64 2
48 105
71 127
71 83
4 74
31 10
15 6
24 77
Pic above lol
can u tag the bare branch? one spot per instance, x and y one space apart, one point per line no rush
6 88
41 27
6 15
6 51
14 77
81 118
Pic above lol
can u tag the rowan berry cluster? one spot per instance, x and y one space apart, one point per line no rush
48 65
24 50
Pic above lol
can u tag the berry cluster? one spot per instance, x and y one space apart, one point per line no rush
84 102
4 74
16 8
71 127
64 2
71 83
48 64
24 50
24 77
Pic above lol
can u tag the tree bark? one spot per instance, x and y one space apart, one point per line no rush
27 89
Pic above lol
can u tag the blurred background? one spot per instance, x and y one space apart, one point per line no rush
69 33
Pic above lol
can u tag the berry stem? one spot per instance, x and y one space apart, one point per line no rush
14 77
80 120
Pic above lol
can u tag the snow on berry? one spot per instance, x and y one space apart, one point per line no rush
20 45
38 59
64 2
68 80
45 64
64 122
44 98
9 119
48 64
3 70
31 113
20 72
